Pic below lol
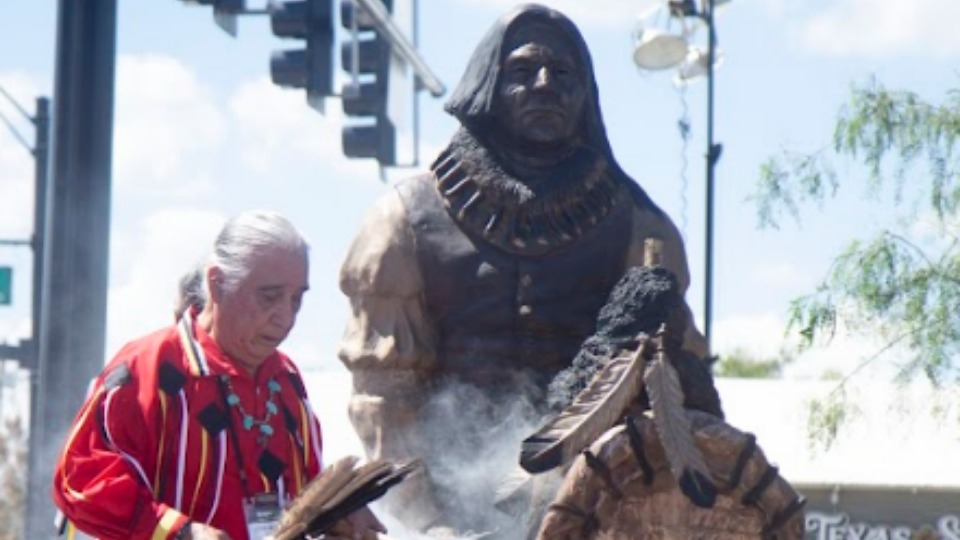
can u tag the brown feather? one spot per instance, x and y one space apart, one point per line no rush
368 473
676 435
595 409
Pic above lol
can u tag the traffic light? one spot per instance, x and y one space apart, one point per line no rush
221 5
310 68
366 55
224 12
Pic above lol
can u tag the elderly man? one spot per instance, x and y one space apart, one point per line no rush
474 284
203 430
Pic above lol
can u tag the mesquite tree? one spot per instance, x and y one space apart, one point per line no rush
898 284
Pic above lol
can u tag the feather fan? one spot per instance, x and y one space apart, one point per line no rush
340 490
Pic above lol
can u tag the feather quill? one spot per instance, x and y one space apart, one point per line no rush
594 410
676 435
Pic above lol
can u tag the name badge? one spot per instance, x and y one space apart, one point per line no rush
263 513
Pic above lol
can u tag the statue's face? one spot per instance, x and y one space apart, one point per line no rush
542 87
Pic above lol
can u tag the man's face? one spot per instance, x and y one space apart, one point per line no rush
542 88
255 318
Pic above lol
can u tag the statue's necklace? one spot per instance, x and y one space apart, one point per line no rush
249 421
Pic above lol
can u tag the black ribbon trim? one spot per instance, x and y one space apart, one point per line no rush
171 379
636 443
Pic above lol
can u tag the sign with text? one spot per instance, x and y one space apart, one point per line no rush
839 526
6 285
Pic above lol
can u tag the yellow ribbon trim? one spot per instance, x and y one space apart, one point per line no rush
166 524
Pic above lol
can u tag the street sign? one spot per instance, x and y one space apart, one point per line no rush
6 285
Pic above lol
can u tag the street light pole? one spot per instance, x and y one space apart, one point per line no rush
713 154
656 50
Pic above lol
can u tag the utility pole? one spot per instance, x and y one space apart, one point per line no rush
26 353
713 155
660 50
41 158
73 298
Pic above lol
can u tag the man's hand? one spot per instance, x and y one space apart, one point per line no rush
201 531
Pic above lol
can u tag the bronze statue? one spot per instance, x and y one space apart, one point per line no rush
622 487
640 440
473 285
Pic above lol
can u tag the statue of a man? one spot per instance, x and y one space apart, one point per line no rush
474 284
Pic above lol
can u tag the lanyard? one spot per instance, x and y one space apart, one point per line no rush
233 435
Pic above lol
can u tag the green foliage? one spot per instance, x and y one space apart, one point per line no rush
895 289
740 364
788 181
13 479
832 375
876 123
903 290
827 417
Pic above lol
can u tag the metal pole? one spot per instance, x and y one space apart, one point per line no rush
41 156
416 93
76 245
713 153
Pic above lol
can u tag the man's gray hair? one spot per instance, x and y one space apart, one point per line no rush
190 292
247 235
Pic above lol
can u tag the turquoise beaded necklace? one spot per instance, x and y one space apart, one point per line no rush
249 422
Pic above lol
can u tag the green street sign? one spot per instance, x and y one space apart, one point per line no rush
6 285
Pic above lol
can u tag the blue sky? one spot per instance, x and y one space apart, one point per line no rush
201 133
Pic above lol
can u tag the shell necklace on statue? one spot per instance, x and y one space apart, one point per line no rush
249 421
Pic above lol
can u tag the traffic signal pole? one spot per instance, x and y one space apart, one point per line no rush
73 301
401 45
368 53
41 158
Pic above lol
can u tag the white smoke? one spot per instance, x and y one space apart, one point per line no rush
476 442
